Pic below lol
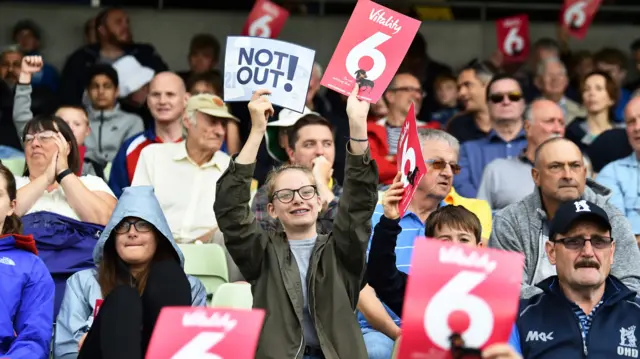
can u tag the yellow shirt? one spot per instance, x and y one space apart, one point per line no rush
479 207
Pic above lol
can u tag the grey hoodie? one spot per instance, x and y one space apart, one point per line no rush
523 227
76 312
109 129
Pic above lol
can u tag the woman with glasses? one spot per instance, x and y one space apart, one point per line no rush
63 211
308 283
110 312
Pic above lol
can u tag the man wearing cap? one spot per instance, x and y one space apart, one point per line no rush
184 174
559 174
110 126
583 310
307 140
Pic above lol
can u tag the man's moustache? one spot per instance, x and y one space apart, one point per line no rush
587 264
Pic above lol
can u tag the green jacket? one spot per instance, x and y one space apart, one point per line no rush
336 272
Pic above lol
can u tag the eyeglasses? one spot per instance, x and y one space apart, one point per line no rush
576 243
43 136
139 224
415 90
498 97
287 195
442 164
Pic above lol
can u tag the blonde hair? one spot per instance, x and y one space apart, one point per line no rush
275 173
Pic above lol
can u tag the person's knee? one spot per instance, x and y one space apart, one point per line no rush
378 345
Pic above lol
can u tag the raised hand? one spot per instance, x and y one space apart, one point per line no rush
29 66
322 169
50 173
260 109
392 197
500 351
357 110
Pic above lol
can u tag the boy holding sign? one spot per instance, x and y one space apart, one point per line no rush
449 223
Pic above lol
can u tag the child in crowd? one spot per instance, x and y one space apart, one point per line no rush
447 96
448 223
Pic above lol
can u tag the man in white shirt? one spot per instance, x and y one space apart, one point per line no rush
184 174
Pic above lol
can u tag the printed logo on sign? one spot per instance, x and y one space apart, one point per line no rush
534 336
582 206
456 255
201 319
628 344
378 16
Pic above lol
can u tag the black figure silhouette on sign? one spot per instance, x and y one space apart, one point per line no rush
362 81
411 177
459 351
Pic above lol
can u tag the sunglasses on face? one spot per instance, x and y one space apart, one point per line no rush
416 90
139 224
498 97
442 164
577 243
43 136
287 195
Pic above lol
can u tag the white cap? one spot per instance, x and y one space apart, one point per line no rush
131 75
288 117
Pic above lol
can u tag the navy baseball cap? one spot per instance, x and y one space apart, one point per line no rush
571 211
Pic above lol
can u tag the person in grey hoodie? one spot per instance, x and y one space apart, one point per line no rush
110 126
125 276
559 174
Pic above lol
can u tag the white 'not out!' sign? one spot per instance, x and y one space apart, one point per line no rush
252 63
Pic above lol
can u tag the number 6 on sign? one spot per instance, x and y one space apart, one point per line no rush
199 347
260 27
456 296
514 43
368 48
410 162
266 19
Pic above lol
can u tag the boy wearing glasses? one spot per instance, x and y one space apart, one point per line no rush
584 310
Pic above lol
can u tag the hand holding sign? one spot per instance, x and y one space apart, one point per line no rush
392 197
513 38
470 294
260 109
370 50
266 19
283 68
410 162
205 333
576 16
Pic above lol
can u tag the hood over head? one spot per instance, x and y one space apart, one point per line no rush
140 202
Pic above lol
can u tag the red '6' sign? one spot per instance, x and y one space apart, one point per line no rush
513 38
410 161
206 333
370 50
454 289
577 15
266 19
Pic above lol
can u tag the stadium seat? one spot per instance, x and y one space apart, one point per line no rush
15 165
107 171
206 262
233 295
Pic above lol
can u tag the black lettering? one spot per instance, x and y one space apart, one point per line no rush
280 55
276 75
248 57
263 63
247 78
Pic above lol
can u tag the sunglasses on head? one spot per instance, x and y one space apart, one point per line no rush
498 97
441 164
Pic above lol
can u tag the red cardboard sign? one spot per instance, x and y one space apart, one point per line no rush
370 50
206 333
458 289
577 15
96 309
513 38
266 19
410 161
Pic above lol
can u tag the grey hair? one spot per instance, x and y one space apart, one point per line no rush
429 134
543 65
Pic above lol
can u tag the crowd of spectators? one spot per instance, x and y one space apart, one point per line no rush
113 161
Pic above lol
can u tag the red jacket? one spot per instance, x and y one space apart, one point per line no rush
379 147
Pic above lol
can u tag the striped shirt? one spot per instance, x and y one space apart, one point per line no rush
393 136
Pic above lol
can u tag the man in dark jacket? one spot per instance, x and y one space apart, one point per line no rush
583 311
114 41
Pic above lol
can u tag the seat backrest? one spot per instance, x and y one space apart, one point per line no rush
206 262
233 295
15 165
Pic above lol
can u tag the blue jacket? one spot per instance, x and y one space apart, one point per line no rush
76 313
549 329
26 303
623 178
64 245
